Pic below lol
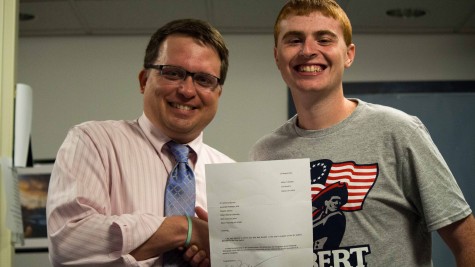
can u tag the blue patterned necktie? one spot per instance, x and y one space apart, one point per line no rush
179 194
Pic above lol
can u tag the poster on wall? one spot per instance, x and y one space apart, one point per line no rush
33 188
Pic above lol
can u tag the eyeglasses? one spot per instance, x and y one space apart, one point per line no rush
176 74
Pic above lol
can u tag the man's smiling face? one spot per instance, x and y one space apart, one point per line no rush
311 53
179 110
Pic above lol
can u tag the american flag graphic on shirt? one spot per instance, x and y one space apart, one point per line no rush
359 179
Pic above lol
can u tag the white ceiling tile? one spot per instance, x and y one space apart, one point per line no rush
253 15
469 25
51 17
132 15
441 16
105 17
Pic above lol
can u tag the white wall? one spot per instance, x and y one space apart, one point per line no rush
413 57
95 78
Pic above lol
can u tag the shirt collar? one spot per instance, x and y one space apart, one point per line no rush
158 139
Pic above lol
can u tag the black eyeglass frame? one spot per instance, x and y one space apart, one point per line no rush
187 73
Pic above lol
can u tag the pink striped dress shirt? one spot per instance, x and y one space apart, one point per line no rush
106 193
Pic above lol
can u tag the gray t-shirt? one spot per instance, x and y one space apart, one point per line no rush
379 186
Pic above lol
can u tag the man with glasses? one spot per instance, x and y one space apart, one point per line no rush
110 201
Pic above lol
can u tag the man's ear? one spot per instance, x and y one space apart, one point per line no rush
350 55
143 76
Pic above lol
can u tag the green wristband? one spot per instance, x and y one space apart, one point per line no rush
190 229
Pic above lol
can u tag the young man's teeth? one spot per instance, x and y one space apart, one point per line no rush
310 68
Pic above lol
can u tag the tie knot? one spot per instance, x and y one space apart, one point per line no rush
179 151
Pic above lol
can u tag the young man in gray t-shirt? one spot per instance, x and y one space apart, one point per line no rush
379 184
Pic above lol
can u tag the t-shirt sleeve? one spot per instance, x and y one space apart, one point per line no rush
430 184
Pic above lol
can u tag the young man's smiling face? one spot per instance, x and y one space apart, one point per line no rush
311 53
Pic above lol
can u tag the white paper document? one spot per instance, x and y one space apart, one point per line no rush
12 197
260 213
